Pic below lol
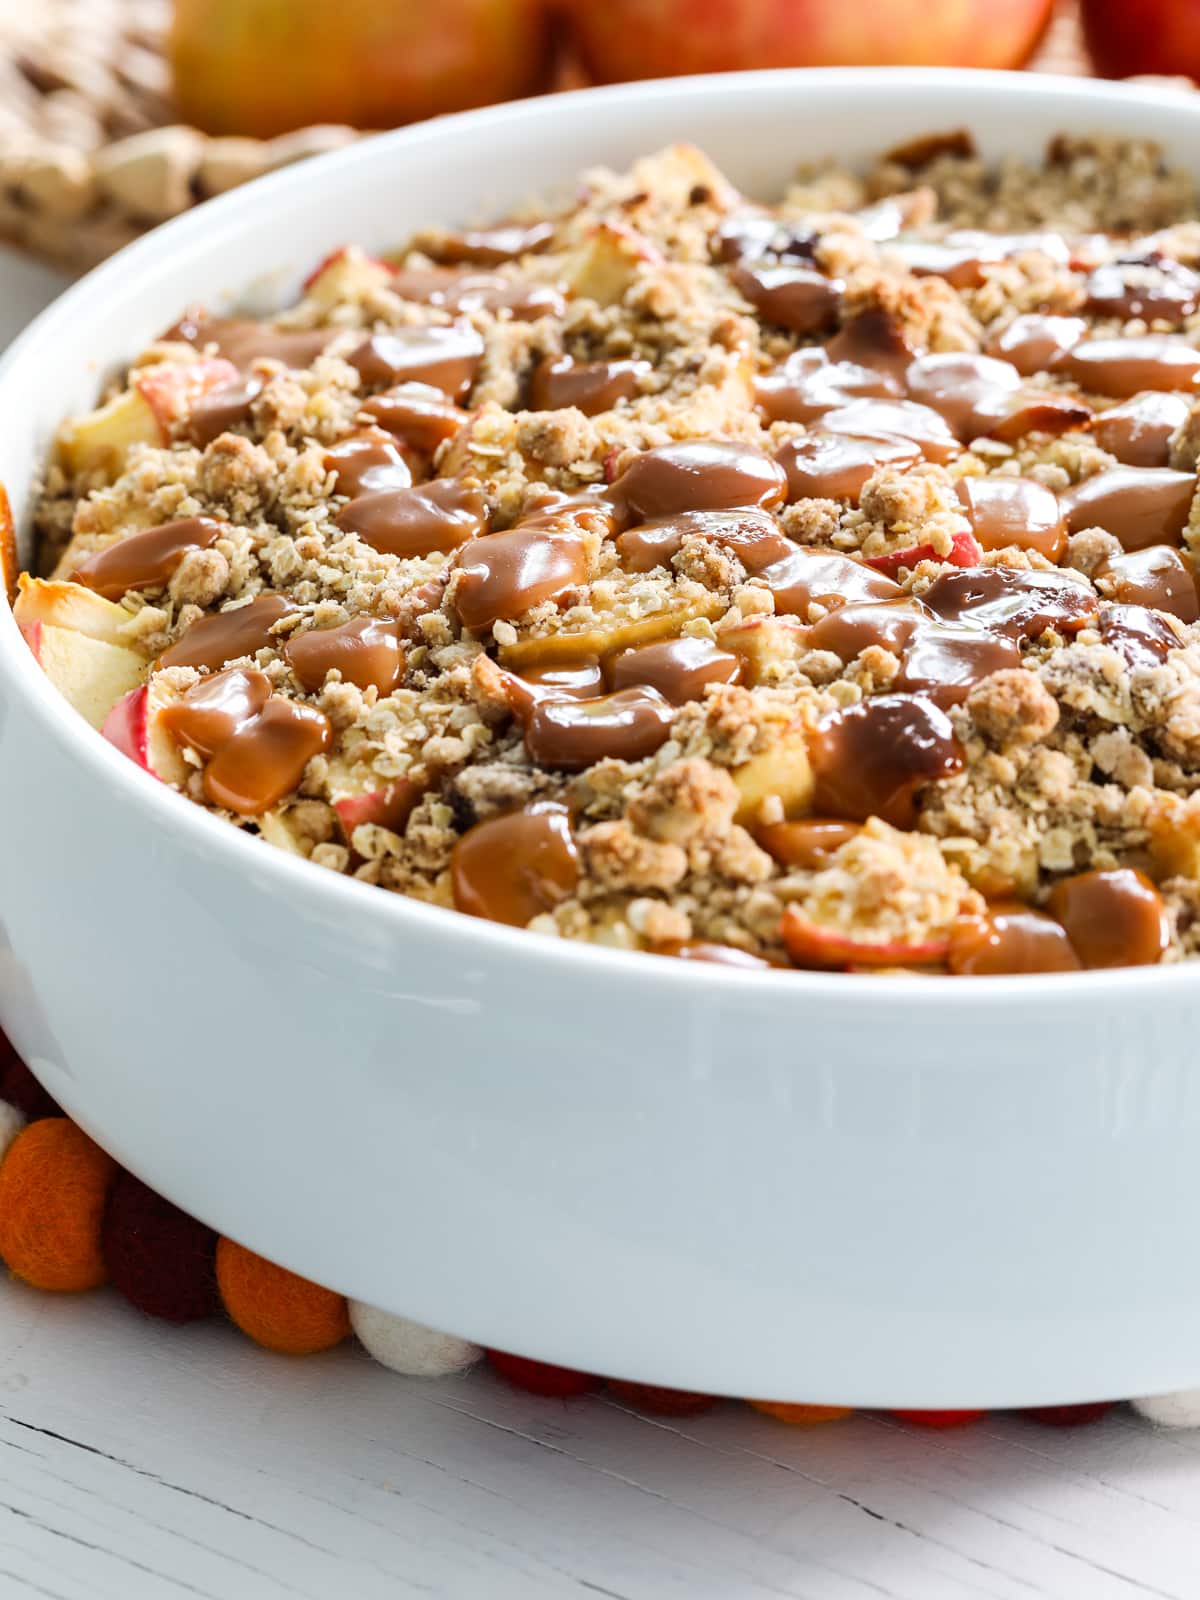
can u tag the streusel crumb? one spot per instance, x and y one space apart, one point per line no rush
803 582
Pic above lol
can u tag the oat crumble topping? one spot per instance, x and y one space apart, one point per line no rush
808 584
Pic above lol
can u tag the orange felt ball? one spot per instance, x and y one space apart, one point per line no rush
276 1308
53 1185
800 1416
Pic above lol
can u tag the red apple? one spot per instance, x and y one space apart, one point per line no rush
157 398
265 67
623 39
1153 36
127 726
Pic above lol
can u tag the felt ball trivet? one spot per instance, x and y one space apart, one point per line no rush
799 1416
538 1377
275 1307
660 1402
158 1257
70 1219
19 1087
410 1347
53 1185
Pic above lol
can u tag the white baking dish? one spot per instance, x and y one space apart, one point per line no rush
959 1192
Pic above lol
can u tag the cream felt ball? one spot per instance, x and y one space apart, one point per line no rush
410 1347
1178 1410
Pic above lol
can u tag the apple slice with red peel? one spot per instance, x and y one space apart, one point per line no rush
346 274
133 726
9 566
69 605
606 266
90 674
100 441
964 551
387 805
816 944
158 397
171 388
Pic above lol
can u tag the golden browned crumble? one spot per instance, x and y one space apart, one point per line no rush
788 626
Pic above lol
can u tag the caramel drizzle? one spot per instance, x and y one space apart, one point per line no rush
445 358
506 574
256 744
514 867
366 651
226 636
872 402
146 560
433 518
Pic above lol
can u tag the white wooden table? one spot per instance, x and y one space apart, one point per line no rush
140 1462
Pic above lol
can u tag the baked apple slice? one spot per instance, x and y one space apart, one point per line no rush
1174 836
89 674
171 388
782 773
158 397
100 441
277 829
68 605
608 263
608 636
133 726
819 944
765 644
360 799
964 551
345 274
8 546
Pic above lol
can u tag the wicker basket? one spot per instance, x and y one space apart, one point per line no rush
90 155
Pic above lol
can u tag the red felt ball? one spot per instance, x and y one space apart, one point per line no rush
938 1419
20 1088
660 1402
1068 1416
160 1259
537 1377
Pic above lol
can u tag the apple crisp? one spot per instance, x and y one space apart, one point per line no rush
808 584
